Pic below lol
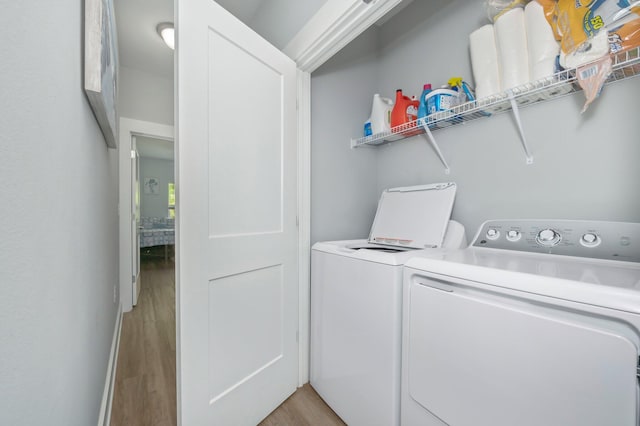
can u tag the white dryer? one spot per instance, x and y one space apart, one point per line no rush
536 323
356 297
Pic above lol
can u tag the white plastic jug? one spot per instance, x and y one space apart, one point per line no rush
380 120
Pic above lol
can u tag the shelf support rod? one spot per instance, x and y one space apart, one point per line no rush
435 146
516 115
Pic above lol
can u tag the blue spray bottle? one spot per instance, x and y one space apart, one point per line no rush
461 86
422 108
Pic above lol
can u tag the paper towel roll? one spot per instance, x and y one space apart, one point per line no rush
541 44
484 61
594 48
511 41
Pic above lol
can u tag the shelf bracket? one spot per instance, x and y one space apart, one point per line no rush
516 115
434 144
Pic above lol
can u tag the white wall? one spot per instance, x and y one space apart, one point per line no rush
343 181
584 165
59 227
155 205
145 96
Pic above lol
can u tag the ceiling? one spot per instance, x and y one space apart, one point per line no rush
139 45
141 48
154 148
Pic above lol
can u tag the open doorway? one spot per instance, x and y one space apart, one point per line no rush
145 383
157 201
153 201
145 375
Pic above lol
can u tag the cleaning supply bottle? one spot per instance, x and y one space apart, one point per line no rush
380 119
441 100
404 111
447 97
461 86
422 108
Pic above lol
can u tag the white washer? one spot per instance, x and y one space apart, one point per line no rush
536 323
356 296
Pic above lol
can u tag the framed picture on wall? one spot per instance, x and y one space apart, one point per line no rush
151 186
101 65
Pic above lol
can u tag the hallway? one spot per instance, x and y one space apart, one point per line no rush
145 389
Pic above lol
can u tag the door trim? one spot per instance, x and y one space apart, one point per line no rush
104 418
304 224
335 25
130 127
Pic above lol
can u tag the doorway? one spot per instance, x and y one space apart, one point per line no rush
145 384
159 139
157 201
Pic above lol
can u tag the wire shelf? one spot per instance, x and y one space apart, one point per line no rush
625 65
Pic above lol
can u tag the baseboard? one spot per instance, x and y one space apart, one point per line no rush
104 419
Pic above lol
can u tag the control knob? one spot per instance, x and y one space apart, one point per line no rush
493 234
590 240
548 237
513 235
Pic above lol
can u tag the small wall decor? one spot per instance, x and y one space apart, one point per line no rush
151 186
101 65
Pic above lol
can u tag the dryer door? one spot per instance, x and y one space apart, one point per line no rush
476 359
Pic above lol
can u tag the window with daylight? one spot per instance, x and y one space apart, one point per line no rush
172 200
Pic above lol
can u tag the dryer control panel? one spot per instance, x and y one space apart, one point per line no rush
599 240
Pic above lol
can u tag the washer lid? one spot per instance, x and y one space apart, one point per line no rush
413 216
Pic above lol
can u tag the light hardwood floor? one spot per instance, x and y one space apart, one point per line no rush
145 389
303 408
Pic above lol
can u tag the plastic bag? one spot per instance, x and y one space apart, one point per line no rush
588 32
575 23
591 78
496 8
625 37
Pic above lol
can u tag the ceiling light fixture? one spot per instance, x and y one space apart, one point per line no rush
165 31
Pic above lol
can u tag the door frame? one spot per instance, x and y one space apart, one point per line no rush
330 29
135 210
130 127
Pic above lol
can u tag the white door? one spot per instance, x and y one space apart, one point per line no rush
135 221
236 220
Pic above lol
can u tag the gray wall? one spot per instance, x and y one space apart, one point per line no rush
145 96
280 20
343 180
584 165
58 251
155 205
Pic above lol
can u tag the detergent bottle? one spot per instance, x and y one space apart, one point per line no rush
380 119
422 108
404 111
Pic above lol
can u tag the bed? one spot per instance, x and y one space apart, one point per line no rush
157 231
